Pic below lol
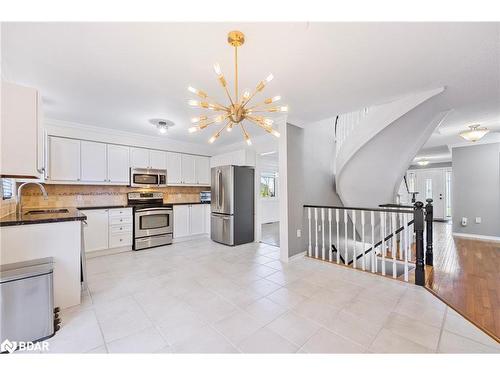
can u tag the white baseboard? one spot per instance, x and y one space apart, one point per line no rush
189 238
297 256
477 237
115 250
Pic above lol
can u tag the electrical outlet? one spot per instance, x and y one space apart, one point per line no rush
299 233
478 220
464 221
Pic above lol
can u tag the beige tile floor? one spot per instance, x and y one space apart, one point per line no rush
202 297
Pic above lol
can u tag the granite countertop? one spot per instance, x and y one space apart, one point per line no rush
130 205
73 214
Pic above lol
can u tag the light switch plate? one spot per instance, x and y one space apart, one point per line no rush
478 220
299 233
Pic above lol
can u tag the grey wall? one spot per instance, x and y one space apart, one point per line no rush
310 179
476 189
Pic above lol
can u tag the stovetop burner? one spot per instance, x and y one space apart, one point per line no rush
145 199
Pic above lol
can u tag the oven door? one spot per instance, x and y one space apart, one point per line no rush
152 221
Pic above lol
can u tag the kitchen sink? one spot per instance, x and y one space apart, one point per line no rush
48 211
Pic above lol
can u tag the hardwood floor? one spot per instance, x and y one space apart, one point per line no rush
466 276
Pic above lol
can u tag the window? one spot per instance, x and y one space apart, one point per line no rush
448 193
7 187
428 188
268 182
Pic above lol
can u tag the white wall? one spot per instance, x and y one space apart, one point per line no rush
270 210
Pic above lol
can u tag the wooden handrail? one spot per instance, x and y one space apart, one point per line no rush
360 209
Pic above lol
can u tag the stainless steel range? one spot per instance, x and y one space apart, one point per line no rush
153 220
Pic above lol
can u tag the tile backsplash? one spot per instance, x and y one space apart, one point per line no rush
97 195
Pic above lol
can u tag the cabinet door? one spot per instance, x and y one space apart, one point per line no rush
174 168
96 231
202 165
118 164
93 161
139 157
158 159
207 218
64 159
197 219
20 133
188 169
181 220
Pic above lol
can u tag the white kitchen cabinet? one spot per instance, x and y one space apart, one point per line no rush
197 219
21 143
139 157
181 221
157 159
93 162
202 167
96 230
120 227
118 164
64 159
188 169
174 168
206 215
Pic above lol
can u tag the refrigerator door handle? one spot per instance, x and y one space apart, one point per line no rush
220 192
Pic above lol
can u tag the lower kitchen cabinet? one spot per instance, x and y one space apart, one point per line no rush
96 230
108 228
191 219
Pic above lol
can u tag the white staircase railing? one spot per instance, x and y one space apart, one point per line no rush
345 124
379 240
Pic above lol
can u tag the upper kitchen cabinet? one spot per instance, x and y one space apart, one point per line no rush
118 164
64 159
202 168
145 158
174 168
188 163
21 142
93 162
157 159
139 157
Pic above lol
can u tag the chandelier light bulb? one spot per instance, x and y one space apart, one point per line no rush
212 139
193 129
246 95
275 133
269 78
268 121
219 118
283 108
193 103
193 90
247 140
194 120
217 69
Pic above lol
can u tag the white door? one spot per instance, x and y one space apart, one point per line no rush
188 169
93 162
197 219
96 231
202 165
158 159
64 159
181 220
174 168
431 184
139 157
118 164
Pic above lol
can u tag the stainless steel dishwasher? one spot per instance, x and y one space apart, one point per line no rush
27 301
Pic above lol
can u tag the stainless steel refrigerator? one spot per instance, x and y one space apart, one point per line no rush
232 206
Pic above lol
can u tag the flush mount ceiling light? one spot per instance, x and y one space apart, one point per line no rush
162 125
474 134
238 108
423 162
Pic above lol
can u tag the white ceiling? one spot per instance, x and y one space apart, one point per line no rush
120 75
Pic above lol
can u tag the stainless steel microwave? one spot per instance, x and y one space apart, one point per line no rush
143 177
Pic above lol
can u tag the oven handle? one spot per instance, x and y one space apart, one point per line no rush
154 209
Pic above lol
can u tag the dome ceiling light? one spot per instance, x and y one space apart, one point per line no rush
238 110
474 134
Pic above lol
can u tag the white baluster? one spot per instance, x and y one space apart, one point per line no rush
316 234
401 239
337 219
394 244
330 234
345 237
382 236
372 222
309 248
323 233
354 241
363 249
406 244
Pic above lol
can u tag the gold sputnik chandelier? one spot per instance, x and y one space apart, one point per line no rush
238 109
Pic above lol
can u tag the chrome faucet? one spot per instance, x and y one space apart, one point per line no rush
20 197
